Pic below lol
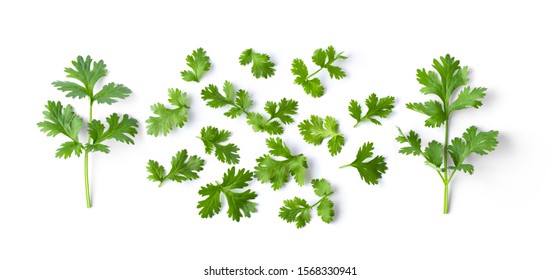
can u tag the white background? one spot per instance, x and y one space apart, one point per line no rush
504 219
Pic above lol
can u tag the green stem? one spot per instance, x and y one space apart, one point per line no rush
446 177
86 159
347 165
446 198
322 198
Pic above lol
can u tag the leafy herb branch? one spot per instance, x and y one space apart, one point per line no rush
444 84
63 120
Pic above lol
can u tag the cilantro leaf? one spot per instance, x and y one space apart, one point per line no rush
278 172
86 74
262 66
433 109
414 143
299 211
377 107
61 120
240 203
434 155
480 143
167 119
239 101
296 210
212 139
468 98
316 129
183 168
324 58
120 130
110 92
370 171
280 113
199 63
451 76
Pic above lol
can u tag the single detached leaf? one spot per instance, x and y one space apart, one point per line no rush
240 202
183 168
376 108
370 171
316 129
199 63
262 67
280 113
299 211
166 119
277 172
324 58
213 139
239 101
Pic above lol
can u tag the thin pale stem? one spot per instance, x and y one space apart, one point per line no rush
86 159
322 198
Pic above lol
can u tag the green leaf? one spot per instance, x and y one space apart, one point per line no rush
480 143
299 211
183 168
433 109
283 110
296 210
468 98
377 107
277 172
321 187
239 101
414 143
280 112
315 130
434 154
324 59
61 120
73 90
212 139
199 63
122 130
262 67
68 148
467 168
451 76
85 73
156 171
240 203
110 92
325 210
370 171
166 119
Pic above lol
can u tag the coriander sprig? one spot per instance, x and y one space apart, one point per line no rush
444 83
324 58
63 120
